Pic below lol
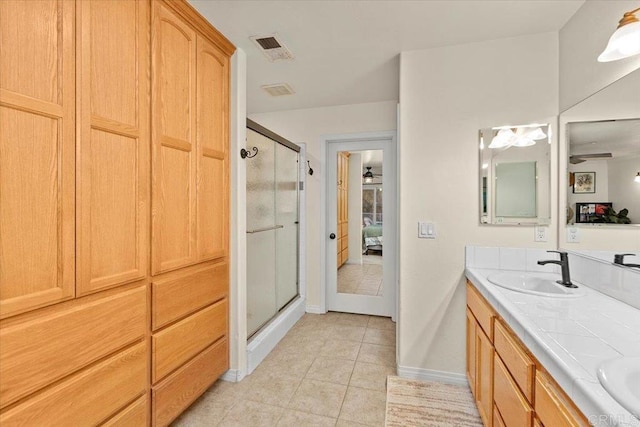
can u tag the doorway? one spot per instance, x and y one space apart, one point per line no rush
361 224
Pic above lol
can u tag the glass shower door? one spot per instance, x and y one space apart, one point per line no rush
272 229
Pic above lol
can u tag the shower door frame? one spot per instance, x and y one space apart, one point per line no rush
299 292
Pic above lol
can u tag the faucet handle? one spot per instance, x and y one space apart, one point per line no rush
619 258
563 254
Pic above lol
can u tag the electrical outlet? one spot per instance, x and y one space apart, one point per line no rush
540 233
573 235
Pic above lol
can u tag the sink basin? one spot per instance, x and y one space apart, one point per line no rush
621 378
542 284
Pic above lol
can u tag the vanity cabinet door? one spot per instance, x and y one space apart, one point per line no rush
552 407
471 351
484 376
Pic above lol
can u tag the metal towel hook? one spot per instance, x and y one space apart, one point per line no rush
244 153
309 166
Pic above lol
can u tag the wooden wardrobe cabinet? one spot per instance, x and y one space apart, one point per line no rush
343 208
190 205
114 212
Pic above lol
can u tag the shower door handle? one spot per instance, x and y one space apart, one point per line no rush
332 236
259 230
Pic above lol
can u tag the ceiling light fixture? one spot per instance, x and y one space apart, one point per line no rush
368 175
625 41
637 178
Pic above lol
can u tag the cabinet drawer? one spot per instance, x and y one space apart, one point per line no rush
133 415
511 404
181 341
520 365
482 311
88 397
552 408
344 229
179 295
59 341
181 388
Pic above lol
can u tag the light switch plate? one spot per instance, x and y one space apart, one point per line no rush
426 230
540 233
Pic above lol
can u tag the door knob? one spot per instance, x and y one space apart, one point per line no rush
332 236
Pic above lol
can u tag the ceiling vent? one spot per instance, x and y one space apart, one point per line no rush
272 48
278 89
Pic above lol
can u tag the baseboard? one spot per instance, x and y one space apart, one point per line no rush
233 376
315 309
432 375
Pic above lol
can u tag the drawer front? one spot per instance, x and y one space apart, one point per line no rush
511 404
552 408
88 397
179 390
132 416
344 229
520 365
45 348
176 297
481 310
181 341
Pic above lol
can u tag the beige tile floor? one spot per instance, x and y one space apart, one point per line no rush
365 279
328 370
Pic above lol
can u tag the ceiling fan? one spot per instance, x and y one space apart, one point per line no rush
581 158
368 176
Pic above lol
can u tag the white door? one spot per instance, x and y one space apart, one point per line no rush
364 279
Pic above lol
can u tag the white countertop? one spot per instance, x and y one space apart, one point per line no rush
570 337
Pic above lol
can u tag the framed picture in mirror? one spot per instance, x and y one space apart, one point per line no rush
584 182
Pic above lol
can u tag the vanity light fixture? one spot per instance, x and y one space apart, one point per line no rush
637 178
625 41
522 137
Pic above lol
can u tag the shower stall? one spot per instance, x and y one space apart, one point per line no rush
272 226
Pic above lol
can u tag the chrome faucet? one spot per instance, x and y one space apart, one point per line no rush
619 259
564 265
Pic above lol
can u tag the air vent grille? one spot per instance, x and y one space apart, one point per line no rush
268 43
272 48
278 89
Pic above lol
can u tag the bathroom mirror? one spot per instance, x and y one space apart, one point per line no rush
515 175
604 172
599 141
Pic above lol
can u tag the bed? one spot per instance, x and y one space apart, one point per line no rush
372 238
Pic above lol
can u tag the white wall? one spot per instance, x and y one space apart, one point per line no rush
238 227
601 168
624 192
355 208
582 39
446 95
308 125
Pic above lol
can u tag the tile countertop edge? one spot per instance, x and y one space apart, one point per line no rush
583 388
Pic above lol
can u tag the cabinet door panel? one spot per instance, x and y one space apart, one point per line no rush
212 138
37 154
484 376
114 145
174 156
471 351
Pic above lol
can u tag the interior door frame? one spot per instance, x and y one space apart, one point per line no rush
360 142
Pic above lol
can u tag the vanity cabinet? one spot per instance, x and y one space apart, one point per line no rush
513 390
114 274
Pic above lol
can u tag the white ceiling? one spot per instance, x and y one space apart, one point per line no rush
346 52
